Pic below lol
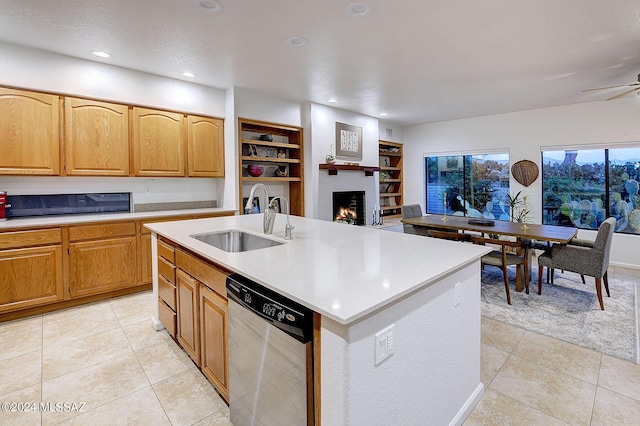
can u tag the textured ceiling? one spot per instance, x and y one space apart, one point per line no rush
418 60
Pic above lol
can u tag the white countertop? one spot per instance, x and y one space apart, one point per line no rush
343 272
75 219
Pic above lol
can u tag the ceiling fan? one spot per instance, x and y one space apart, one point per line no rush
636 87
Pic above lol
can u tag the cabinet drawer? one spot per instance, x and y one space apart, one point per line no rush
167 317
213 278
167 292
167 251
166 270
20 239
90 232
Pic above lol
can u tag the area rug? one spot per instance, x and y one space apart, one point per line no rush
568 310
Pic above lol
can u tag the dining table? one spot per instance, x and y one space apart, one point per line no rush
527 233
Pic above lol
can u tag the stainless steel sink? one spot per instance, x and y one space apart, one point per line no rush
235 241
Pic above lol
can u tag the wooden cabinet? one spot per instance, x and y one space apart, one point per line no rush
96 138
102 258
213 339
202 317
391 198
29 133
281 158
205 147
158 143
30 276
167 291
188 332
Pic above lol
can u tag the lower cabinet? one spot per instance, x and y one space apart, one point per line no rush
188 332
202 312
30 277
106 261
30 268
213 339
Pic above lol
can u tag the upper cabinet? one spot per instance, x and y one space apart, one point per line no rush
157 143
50 135
29 133
206 146
96 138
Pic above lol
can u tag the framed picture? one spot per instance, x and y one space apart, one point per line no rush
348 142
253 151
254 209
277 204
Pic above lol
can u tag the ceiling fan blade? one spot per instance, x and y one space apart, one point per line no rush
612 87
622 94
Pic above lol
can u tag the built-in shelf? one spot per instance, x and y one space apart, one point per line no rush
391 179
333 168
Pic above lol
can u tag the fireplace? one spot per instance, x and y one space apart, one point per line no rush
349 207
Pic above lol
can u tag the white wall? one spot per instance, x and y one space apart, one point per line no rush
38 70
523 134
320 137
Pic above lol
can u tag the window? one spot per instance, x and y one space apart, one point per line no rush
582 187
473 185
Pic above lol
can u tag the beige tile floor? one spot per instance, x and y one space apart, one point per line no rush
111 368
531 379
107 360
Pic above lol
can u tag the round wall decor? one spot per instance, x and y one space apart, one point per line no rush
525 172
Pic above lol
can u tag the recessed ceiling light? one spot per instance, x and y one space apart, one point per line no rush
332 101
359 9
297 41
383 114
188 74
212 6
101 54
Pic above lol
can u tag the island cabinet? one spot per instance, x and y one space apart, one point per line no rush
102 258
96 138
167 291
29 133
202 317
158 143
30 268
205 146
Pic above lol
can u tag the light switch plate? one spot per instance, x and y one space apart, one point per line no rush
384 345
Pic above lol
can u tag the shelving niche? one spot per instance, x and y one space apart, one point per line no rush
391 199
284 152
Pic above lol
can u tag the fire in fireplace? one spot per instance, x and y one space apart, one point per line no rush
349 207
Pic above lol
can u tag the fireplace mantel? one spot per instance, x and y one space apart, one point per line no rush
333 168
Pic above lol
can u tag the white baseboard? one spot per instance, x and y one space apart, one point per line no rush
468 406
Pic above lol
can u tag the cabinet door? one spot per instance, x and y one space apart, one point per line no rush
96 138
102 265
206 146
188 315
30 277
213 342
158 143
29 133
146 272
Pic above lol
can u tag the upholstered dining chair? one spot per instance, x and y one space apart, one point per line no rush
591 261
408 211
503 258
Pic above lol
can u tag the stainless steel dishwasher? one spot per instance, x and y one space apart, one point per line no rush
270 357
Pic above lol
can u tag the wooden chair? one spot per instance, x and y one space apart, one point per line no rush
591 259
503 258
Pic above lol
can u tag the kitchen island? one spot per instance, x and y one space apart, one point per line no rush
361 281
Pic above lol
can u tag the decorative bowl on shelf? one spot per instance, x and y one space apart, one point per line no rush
281 171
255 170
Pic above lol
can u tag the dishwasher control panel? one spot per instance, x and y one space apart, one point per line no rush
285 314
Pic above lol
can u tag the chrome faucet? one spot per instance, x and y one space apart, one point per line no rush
288 227
269 214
